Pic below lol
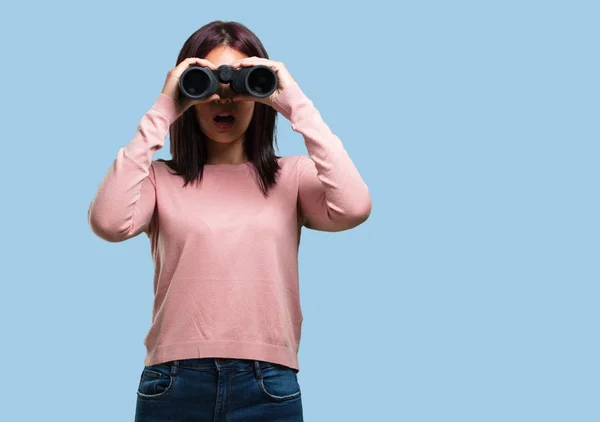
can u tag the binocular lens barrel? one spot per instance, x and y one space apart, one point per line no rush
196 82
199 82
260 81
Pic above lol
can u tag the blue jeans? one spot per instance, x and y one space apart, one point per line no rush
215 389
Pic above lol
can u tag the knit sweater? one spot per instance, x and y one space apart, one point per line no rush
225 257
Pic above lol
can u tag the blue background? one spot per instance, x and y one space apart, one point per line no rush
471 293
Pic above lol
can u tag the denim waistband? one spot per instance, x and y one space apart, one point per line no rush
219 363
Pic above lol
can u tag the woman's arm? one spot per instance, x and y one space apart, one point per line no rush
124 203
331 193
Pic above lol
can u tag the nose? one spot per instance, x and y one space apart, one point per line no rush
225 94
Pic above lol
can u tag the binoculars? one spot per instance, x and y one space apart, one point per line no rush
198 82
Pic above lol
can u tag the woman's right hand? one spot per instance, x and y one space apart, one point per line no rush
171 87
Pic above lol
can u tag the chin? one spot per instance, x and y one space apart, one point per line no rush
224 139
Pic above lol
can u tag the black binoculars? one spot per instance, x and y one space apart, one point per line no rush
198 82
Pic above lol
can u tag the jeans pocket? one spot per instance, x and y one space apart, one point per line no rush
155 381
278 382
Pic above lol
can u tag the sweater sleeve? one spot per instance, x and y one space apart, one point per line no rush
125 200
331 193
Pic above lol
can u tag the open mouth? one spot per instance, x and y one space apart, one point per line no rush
228 119
224 121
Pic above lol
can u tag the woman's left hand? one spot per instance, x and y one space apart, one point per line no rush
283 76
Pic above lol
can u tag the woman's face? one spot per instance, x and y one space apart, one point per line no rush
243 109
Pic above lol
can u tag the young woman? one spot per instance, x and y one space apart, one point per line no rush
224 219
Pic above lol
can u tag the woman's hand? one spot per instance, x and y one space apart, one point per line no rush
171 86
283 76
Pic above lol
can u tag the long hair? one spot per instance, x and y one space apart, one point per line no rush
188 142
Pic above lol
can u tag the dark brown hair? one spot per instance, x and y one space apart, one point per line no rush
188 142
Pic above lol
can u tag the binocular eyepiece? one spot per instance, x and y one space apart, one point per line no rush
198 82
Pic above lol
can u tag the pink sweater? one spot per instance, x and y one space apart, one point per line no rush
226 259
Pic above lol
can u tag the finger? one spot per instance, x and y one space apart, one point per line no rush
214 97
246 61
207 63
250 61
203 62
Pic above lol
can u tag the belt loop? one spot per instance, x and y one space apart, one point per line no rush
174 367
257 370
